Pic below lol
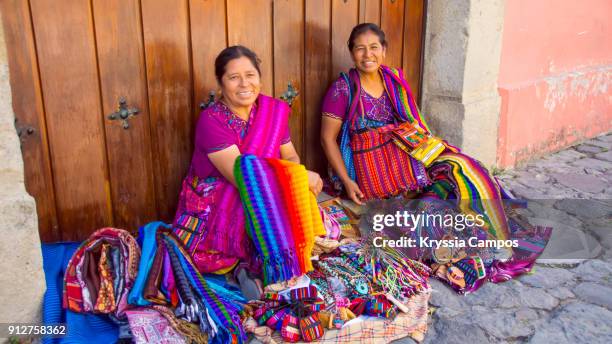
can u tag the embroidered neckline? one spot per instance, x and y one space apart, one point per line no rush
232 120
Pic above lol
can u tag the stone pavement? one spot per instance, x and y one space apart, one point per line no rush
562 301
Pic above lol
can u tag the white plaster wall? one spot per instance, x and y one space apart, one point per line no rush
22 282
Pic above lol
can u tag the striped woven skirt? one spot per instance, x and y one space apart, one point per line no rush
382 169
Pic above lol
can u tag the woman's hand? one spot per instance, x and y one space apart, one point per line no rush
315 183
353 191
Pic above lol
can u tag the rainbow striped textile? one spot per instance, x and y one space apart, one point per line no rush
282 214
476 191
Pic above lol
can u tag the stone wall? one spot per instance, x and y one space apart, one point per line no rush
22 279
462 58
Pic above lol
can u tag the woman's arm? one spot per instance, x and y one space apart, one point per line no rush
224 160
330 128
288 152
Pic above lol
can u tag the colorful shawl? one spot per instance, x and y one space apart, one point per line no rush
101 273
215 308
224 230
283 217
475 190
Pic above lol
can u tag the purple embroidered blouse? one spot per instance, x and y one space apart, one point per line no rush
336 101
219 128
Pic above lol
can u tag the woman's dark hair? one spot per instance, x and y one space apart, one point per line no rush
363 28
231 53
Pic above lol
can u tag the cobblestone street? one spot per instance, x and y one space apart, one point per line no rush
563 301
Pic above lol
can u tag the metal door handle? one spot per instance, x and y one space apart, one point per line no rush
123 113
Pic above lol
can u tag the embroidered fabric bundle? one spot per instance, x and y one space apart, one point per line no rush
311 328
282 214
408 136
101 273
290 328
149 326
420 145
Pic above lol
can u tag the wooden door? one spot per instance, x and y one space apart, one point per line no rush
73 61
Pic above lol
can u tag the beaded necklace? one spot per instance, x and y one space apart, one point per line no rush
351 277
318 279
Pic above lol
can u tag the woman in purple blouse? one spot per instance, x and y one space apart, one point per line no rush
374 109
210 218
363 111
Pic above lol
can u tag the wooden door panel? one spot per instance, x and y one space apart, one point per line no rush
369 11
317 68
413 42
251 26
169 81
208 38
392 23
122 74
288 64
29 113
71 61
344 17
69 78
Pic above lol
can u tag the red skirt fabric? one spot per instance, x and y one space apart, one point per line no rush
384 170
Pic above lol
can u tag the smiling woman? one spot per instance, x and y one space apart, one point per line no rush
210 218
386 150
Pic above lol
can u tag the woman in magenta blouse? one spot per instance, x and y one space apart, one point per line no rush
210 218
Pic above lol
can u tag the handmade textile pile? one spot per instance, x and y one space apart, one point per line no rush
101 273
325 279
352 279
109 274
282 214
167 276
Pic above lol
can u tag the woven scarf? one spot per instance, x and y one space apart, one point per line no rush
282 214
476 191
216 309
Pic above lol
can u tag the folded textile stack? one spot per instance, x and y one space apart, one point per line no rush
101 273
157 289
282 214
